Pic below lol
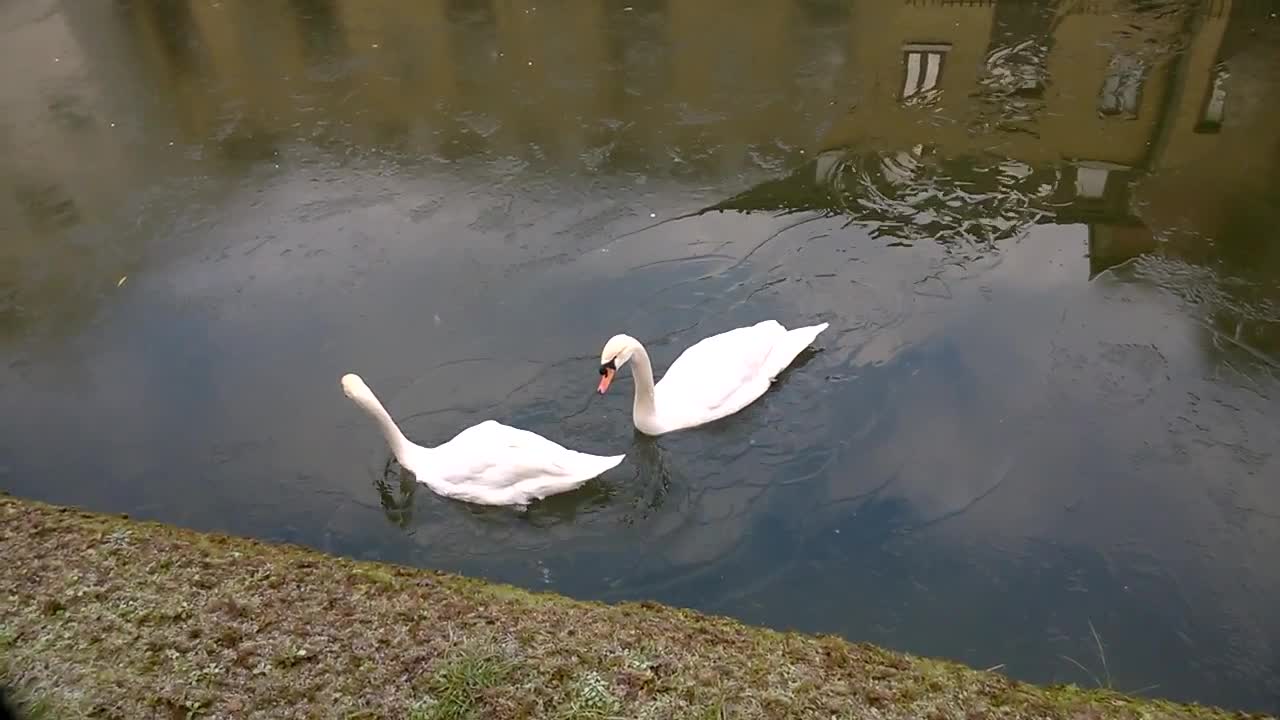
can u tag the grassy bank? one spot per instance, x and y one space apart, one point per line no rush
109 618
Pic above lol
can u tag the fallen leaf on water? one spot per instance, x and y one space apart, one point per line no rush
121 280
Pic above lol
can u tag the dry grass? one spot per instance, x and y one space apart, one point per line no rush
108 618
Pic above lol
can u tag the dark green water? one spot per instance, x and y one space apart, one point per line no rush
1044 234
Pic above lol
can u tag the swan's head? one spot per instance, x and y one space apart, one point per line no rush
616 353
353 387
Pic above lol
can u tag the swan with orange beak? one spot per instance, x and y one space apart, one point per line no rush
714 378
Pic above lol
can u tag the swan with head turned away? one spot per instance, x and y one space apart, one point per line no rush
486 464
713 378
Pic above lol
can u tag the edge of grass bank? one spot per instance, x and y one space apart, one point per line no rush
106 617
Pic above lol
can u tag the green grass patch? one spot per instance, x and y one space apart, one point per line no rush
456 690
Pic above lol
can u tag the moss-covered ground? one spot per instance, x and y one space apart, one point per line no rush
105 617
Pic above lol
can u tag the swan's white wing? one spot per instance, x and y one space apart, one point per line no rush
499 464
716 369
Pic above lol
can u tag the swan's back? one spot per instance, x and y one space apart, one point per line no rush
722 374
496 464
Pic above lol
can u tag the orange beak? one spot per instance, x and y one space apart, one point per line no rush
606 377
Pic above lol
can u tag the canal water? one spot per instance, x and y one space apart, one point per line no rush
1040 433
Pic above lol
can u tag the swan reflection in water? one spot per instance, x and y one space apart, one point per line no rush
397 504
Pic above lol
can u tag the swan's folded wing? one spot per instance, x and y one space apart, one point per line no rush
494 455
714 369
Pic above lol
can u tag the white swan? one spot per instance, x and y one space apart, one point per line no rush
486 464
716 377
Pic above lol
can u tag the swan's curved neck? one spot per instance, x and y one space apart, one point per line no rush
400 445
642 372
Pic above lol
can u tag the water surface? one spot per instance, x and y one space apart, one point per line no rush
1044 417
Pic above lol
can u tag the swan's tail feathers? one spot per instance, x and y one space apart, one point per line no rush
588 466
790 346
598 466
608 462
593 466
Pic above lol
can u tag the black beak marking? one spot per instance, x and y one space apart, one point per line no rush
605 368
